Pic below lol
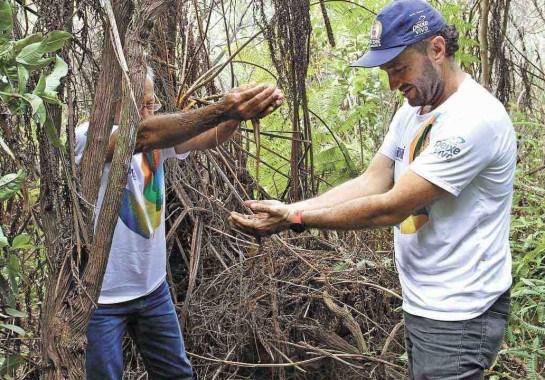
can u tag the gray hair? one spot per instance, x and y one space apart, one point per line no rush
150 75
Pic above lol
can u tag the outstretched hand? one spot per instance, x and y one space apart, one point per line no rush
251 101
270 217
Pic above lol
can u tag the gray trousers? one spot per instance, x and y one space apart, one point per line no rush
455 350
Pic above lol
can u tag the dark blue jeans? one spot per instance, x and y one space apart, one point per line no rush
153 325
455 350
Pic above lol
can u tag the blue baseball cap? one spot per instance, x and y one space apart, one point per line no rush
398 25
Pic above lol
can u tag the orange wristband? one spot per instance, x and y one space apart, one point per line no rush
297 217
297 224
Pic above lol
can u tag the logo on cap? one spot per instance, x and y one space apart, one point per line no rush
376 32
421 26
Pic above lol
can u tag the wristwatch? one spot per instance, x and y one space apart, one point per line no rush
297 224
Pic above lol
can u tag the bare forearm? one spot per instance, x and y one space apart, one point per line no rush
243 103
169 130
369 212
363 186
410 193
210 138
377 179
166 131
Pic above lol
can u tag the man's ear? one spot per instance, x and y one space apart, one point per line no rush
438 50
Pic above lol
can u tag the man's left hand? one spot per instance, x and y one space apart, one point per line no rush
270 217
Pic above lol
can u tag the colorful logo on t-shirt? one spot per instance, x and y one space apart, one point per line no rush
420 142
144 221
422 139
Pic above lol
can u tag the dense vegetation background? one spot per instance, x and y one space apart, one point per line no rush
317 306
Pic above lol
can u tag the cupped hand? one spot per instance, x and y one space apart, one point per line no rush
252 101
270 217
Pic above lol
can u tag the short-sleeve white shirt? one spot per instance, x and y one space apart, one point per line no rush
453 256
137 262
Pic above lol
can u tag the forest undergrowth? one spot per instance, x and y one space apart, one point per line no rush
319 305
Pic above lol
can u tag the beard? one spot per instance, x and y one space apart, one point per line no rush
428 88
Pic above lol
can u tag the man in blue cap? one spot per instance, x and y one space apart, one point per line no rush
444 178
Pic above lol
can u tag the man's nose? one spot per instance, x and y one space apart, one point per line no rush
394 82
144 113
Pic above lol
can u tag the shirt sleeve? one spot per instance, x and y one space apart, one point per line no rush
170 152
391 140
458 151
81 141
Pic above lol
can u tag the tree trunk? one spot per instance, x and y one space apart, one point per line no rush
102 114
163 48
54 209
483 44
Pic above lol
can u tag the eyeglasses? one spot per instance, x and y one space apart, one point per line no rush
153 107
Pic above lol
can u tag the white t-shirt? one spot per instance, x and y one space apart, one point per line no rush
453 256
137 262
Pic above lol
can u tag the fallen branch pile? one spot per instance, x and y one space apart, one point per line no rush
296 306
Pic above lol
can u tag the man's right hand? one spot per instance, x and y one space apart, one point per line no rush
252 101
270 217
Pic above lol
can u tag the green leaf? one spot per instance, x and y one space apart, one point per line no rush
6 22
47 85
51 133
33 38
40 63
51 98
6 51
15 313
38 108
22 74
10 364
3 239
55 40
53 80
11 72
15 329
14 271
10 184
17 106
31 54
6 91
40 87
20 241
14 267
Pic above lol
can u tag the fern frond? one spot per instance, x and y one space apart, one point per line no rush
530 327
535 329
531 367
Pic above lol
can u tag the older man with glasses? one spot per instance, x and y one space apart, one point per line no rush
134 297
